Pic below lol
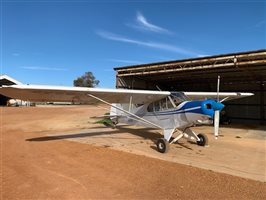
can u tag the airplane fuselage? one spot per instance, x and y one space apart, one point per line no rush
184 115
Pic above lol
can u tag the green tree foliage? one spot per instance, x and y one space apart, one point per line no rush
87 80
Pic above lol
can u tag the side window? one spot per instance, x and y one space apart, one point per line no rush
154 107
164 104
157 106
169 104
177 101
150 107
160 105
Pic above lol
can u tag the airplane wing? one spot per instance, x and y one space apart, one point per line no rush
38 93
223 96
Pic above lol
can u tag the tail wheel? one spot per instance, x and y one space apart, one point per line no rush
203 139
162 145
114 120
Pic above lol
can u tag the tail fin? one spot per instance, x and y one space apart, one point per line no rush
115 113
113 110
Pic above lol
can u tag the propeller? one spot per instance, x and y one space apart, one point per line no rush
217 112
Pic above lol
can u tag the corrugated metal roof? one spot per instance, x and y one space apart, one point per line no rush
7 80
190 59
234 67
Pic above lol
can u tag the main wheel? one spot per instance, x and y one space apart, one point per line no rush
162 145
203 139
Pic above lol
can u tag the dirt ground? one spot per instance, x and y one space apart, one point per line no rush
60 153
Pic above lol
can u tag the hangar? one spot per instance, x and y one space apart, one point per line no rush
239 72
6 80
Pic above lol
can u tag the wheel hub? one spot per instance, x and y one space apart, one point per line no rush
161 145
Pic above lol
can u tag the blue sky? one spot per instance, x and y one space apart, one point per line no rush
54 42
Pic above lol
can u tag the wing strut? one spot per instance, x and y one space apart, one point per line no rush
129 113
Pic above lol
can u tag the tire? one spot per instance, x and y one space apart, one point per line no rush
114 121
162 145
203 139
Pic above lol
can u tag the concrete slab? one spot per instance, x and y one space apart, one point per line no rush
239 151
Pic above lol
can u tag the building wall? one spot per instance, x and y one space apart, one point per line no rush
247 110
250 110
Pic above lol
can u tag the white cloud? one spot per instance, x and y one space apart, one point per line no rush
125 61
43 68
142 23
163 46
203 55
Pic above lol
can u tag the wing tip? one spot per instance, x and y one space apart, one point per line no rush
247 94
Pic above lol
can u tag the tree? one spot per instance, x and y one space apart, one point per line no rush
87 80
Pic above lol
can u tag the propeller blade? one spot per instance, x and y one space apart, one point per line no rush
216 123
217 112
218 88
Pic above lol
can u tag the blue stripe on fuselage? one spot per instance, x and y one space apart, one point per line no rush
188 107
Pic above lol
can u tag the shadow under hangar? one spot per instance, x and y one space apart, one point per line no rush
6 80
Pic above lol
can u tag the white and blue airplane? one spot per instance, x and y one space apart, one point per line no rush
169 111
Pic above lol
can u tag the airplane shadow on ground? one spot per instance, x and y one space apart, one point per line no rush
145 133
141 132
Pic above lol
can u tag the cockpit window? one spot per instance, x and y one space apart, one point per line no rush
166 103
161 105
179 97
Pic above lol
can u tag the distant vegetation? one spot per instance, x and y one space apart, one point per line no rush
86 80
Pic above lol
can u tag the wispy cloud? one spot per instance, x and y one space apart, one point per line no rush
43 68
143 24
125 61
163 46
15 54
260 24
203 55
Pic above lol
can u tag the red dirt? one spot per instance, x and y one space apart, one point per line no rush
58 169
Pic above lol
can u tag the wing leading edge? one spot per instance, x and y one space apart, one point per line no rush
223 96
39 93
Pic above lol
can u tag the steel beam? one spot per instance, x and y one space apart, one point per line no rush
262 107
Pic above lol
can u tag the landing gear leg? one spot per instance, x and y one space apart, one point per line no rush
201 139
163 143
